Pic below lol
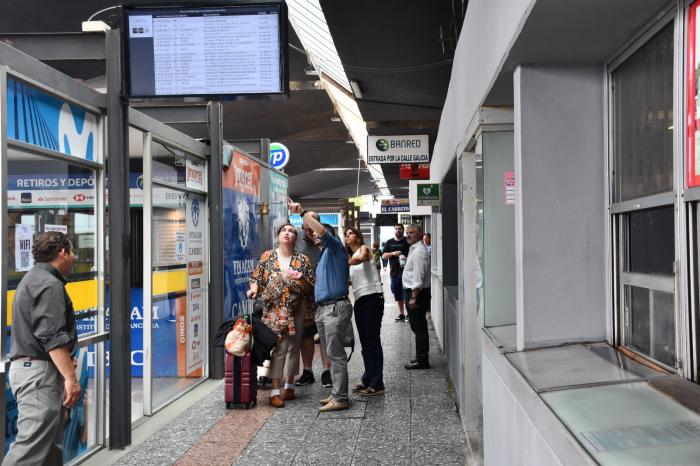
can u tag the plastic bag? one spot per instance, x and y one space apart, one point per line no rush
238 339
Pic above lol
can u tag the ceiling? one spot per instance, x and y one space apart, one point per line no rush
587 33
393 49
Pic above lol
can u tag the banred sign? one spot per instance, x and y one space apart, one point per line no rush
414 171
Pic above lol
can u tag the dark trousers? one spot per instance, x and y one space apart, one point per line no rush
419 322
369 311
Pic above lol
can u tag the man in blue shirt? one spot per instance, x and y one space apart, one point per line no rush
333 308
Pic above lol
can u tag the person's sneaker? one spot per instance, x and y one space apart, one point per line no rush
334 405
400 318
326 380
306 378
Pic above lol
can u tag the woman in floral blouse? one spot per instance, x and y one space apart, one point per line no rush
282 277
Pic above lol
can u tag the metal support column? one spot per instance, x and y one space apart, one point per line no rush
119 250
216 245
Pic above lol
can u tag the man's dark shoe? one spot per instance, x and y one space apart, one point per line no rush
400 318
326 380
417 365
306 378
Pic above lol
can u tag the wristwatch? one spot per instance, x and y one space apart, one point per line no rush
302 213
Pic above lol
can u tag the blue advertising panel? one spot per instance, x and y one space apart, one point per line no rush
40 119
278 203
242 228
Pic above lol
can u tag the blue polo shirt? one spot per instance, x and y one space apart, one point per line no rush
332 272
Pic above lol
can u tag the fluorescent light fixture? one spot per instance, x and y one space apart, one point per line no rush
356 89
349 141
336 119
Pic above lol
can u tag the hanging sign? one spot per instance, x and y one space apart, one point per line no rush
392 206
414 171
428 194
398 149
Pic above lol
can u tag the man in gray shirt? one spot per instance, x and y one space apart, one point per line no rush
42 372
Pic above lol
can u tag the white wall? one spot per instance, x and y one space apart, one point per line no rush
489 30
560 206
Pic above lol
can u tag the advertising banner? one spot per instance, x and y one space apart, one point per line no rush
195 177
398 149
392 206
40 119
55 190
242 228
195 282
692 102
278 203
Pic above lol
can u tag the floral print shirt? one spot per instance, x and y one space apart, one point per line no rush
281 296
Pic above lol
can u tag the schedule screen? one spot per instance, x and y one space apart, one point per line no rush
205 51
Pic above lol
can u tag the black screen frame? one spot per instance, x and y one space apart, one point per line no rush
127 9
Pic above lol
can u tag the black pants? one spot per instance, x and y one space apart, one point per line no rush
369 311
419 322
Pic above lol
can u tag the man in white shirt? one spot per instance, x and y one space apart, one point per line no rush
416 284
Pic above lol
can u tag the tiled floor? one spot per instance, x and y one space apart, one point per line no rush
415 422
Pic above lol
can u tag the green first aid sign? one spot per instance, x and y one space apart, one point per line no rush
428 194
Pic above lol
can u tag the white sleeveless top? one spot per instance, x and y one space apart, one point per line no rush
365 278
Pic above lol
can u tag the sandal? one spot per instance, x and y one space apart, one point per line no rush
369 391
358 388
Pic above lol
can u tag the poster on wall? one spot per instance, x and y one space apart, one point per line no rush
195 281
242 228
692 101
278 204
24 237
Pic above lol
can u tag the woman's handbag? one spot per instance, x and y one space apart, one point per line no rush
238 339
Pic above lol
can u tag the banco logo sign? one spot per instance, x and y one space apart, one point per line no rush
79 197
382 145
195 212
72 140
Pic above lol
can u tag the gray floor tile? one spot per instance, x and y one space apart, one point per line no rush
438 454
377 453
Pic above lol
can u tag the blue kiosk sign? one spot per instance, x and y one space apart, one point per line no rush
279 155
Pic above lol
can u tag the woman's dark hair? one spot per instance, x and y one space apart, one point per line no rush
47 245
360 238
279 229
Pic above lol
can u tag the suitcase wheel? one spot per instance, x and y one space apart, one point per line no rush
229 406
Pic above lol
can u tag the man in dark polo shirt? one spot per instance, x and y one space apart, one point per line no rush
333 308
396 252
42 372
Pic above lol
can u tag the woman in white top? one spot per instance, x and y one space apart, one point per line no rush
369 311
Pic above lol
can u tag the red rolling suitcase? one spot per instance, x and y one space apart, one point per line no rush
240 381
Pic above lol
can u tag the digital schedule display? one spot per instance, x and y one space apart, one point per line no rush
206 51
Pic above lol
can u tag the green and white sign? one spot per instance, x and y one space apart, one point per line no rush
428 194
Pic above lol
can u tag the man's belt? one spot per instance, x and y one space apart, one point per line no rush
328 302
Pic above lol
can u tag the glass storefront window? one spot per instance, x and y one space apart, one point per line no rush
44 195
643 120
